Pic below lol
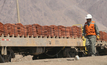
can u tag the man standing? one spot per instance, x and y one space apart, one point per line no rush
90 31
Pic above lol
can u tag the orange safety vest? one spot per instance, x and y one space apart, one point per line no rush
90 30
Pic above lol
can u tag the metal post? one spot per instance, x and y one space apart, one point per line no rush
18 13
2 51
5 51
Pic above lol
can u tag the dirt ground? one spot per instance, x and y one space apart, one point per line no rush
27 60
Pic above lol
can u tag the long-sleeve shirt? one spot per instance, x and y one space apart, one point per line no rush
96 29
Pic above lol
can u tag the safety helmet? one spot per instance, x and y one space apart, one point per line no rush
89 16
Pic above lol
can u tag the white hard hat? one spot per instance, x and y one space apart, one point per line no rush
89 16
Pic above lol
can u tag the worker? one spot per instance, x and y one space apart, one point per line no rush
90 32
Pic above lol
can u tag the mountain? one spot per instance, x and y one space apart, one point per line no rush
54 12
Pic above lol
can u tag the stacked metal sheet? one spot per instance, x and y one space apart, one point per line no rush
79 33
19 30
38 30
8 29
74 31
68 31
45 31
103 36
61 31
1 29
53 31
29 29
34 29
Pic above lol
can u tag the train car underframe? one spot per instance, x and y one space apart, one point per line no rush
45 52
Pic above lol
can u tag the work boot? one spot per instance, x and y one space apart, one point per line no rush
89 51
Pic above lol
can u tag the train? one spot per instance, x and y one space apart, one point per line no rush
45 41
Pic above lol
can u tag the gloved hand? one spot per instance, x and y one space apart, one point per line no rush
83 38
98 37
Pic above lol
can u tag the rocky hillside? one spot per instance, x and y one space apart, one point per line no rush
54 12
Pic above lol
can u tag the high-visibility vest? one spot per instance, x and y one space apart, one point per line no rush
90 30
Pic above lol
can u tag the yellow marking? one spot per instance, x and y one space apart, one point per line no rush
84 41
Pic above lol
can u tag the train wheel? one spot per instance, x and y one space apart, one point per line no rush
1 59
72 52
7 57
43 56
101 51
69 52
34 57
60 55
81 54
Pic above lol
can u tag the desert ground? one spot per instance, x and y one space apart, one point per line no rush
27 60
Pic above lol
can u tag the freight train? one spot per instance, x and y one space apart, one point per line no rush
44 41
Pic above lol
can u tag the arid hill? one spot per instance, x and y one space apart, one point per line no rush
54 12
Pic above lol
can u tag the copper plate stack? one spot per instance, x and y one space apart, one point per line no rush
20 30
74 31
38 30
104 36
79 33
29 30
101 35
60 30
45 31
34 29
1 29
63 31
67 32
8 29
53 29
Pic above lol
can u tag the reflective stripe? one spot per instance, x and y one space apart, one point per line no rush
3 39
7 39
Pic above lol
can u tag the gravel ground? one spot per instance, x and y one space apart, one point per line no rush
27 60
